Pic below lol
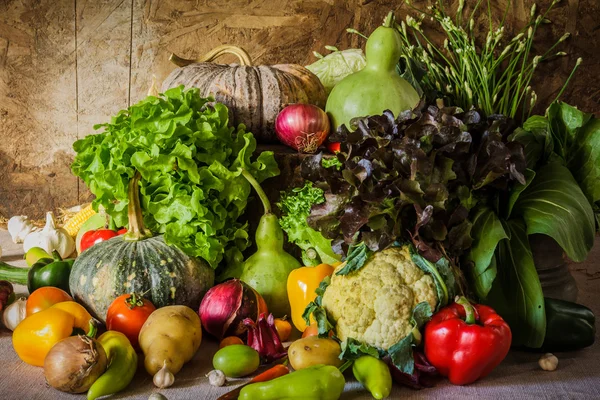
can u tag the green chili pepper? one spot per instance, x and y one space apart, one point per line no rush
50 272
122 365
374 375
569 326
319 382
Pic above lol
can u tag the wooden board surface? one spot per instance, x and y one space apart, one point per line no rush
66 65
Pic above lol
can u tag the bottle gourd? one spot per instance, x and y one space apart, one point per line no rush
377 87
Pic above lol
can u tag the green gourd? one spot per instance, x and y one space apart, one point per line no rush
377 87
267 270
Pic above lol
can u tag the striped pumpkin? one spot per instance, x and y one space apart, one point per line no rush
138 262
116 266
253 94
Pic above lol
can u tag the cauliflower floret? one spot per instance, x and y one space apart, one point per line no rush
374 304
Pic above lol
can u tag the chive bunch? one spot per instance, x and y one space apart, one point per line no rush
494 77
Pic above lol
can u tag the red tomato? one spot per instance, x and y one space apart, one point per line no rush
90 238
122 231
333 147
45 297
127 314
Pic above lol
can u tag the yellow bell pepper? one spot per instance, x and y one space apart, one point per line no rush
35 335
301 286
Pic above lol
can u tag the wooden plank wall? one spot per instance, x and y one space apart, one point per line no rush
66 65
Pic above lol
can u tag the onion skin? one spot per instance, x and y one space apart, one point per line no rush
225 306
74 364
303 127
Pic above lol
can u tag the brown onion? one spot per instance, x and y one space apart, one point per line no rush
225 306
74 364
303 127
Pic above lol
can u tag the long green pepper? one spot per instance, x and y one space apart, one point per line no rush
122 360
374 375
319 382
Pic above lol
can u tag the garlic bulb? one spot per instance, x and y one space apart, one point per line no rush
19 227
51 238
163 378
14 314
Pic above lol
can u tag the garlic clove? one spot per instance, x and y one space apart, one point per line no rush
216 377
548 362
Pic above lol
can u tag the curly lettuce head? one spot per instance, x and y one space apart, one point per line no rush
190 160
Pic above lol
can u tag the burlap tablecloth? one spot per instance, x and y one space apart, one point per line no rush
518 377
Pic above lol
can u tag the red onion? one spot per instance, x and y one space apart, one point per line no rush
263 337
225 306
303 127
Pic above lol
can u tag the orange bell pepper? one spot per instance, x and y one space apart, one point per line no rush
301 286
35 335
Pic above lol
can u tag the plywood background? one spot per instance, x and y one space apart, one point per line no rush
68 64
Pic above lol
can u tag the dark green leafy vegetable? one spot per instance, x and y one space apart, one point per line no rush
516 293
569 136
190 161
295 207
413 178
554 205
488 231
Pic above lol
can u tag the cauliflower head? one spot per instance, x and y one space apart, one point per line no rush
374 304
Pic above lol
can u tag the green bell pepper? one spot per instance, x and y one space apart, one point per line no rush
374 375
50 272
44 272
319 382
569 326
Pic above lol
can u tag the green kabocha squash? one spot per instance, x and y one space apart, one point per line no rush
138 262
377 87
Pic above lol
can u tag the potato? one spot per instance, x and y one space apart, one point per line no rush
313 350
170 336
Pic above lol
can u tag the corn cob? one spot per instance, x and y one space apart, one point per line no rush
73 224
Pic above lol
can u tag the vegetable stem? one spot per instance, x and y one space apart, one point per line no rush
469 310
261 193
137 230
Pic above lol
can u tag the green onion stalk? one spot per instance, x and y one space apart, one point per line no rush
496 76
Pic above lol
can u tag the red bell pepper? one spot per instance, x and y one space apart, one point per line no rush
90 238
466 341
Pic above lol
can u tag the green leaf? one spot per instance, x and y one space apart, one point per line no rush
487 232
517 189
357 257
584 160
295 206
554 205
401 354
352 349
441 272
316 309
331 162
576 137
517 293
421 314
536 139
